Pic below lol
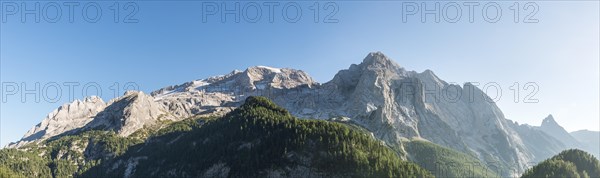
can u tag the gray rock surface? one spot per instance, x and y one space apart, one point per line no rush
124 115
387 100
550 127
130 112
65 118
378 94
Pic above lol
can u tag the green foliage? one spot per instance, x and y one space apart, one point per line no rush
446 162
106 141
257 139
27 164
64 156
569 163
554 168
584 161
63 168
7 173
181 126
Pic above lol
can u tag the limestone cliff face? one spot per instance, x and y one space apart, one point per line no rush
63 119
123 115
394 103
220 94
128 113
378 94
384 98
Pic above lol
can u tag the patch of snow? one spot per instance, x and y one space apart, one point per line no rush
198 84
272 69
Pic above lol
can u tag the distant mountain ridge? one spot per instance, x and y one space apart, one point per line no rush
590 141
550 127
378 94
584 140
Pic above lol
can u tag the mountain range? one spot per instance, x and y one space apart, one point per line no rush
403 109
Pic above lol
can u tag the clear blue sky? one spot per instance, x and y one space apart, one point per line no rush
171 44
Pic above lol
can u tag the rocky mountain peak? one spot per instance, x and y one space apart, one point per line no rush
549 122
133 93
253 78
93 99
378 60
68 117
374 67
260 77
129 113
429 74
552 128
377 94
430 80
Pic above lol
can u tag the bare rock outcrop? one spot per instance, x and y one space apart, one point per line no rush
65 118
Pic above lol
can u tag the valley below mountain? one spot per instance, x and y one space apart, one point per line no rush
374 119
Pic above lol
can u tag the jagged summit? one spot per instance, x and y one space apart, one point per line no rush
552 128
128 113
124 114
378 59
253 78
68 117
261 77
93 98
550 125
377 94
375 68
549 121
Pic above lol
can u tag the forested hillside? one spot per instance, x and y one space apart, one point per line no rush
569 163
261 139
257 139
445 162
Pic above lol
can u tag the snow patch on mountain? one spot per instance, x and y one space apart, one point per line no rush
272 69
377 94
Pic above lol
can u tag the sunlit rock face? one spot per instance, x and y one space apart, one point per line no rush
128 113
65 118
383 97
378 94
